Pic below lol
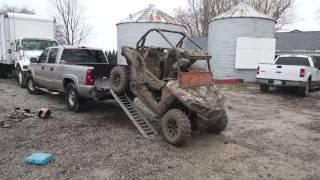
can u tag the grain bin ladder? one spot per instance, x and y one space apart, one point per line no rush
137 118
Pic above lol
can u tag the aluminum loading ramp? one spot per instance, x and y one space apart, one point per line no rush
135 115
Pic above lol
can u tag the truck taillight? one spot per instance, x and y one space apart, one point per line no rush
258 69
302 72
90 77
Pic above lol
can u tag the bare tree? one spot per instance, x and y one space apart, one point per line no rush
72 28
199 12
15 9
279 10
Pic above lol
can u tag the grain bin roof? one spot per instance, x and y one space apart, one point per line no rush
242 10
150 15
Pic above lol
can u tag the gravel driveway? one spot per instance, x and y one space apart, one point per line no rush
270 136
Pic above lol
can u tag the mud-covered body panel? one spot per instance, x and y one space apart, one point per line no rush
203 100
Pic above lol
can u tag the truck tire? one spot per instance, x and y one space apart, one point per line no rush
220 124
304 91
3 71
73 98
119 80
31 86
264 88
21 78
176 127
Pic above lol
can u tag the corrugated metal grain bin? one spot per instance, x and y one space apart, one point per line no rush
238 40
130 30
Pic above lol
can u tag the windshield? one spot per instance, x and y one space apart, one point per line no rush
297 61
83 56
36 44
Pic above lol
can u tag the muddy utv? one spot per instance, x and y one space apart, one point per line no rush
163 79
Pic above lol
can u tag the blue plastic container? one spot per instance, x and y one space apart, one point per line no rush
39 158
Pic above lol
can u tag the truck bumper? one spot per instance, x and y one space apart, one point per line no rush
284 83
91 92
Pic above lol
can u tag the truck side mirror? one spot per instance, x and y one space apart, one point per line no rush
34 60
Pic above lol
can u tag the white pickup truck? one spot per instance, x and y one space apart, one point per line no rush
290 71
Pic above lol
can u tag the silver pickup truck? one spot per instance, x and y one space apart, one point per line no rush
79 73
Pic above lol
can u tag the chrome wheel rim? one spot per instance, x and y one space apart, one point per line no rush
20 77
72 98
31 85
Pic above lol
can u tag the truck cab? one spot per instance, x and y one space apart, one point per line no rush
23 36
25 49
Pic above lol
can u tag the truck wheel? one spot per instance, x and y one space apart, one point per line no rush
3 71
304 91
21 78
73 98
31 86
119 80
176 127
264 88
220 124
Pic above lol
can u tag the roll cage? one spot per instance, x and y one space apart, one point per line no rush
141 42
193 57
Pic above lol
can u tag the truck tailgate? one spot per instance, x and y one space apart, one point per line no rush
280 72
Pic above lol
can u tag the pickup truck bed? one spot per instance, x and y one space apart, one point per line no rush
101 74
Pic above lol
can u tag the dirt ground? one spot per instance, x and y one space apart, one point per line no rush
270 136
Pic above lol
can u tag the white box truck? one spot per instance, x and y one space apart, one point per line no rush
23 36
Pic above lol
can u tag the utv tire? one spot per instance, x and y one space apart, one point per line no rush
304 91
220 125
119 80
73 98
264 88
31 86
176 127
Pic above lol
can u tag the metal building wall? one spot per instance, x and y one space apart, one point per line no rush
129 33
222 40
299 52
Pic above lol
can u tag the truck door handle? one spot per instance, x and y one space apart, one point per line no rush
42 68
51 69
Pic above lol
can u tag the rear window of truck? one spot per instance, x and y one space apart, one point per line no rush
83 56
296 61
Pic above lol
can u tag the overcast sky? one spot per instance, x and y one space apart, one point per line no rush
103 15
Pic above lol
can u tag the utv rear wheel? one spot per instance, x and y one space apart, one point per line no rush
31 87
119 80
176 127
264 88
220 123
